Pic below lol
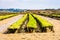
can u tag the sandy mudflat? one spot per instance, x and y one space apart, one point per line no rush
36 36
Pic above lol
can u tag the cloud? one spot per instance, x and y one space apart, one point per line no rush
29 4
27 0
36 0
7 0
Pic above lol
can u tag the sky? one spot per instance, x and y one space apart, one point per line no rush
30 4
